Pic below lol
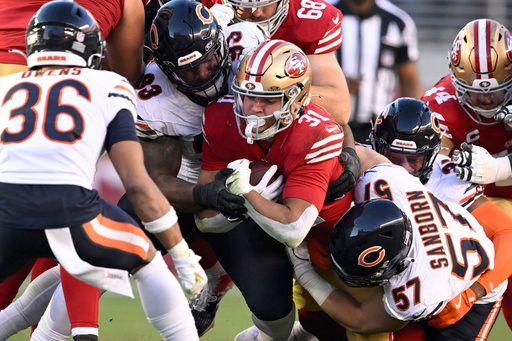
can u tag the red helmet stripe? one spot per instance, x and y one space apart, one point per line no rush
476 38
257 62
488 47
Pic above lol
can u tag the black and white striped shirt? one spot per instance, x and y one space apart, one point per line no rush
373 45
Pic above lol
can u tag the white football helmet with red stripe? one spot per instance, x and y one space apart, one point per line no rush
274 69
480 62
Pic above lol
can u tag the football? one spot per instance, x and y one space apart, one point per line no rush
258 169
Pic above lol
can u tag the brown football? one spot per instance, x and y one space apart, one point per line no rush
258 169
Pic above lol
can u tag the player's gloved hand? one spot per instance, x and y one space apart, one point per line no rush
216 195
348 178
306 275
475 164
191 275
223 13
273 190
239 182
505 115
454 310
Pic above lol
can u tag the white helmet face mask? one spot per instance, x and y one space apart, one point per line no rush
244 8
248 125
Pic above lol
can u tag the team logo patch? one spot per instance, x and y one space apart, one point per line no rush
204 14
250 86
508 45
485 84
80 37
154 37
296 65
371 256
435 124
455 52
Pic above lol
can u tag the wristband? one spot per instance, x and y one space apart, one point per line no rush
317 287
163 223
180 250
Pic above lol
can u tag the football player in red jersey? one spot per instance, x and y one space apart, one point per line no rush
315 27
468 99
271 118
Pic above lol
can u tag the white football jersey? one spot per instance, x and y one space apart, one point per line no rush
450 248
445 184
58 123
163 110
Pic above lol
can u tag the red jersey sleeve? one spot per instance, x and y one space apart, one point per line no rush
212 159
312 25
210 3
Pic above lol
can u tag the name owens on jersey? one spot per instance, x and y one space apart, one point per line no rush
450 248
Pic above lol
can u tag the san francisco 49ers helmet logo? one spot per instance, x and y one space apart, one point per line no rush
508 46
366 255
455 52
296 65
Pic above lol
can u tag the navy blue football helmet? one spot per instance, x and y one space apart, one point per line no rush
189 47
63 33
371 243
408 133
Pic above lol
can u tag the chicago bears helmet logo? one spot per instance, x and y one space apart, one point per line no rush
455 52
204 14
153 36
296 65
435 123
366 255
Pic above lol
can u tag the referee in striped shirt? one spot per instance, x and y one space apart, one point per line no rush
379 57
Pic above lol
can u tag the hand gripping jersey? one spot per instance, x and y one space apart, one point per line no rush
459 127
59 125
306 154
450 248
448 187
312 25
163 110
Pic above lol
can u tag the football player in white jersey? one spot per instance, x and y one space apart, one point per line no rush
187 73
407 132
58 127
414 252
169 127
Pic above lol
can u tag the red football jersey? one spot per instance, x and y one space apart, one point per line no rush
312 25
306 154
459 127
16 14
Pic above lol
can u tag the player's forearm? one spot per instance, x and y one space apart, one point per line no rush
279 221
178 192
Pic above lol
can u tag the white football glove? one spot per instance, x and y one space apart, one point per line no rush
475 164
306 275
191 275
223 13
239 181
505 115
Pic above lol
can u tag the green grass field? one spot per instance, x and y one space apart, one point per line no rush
122 319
